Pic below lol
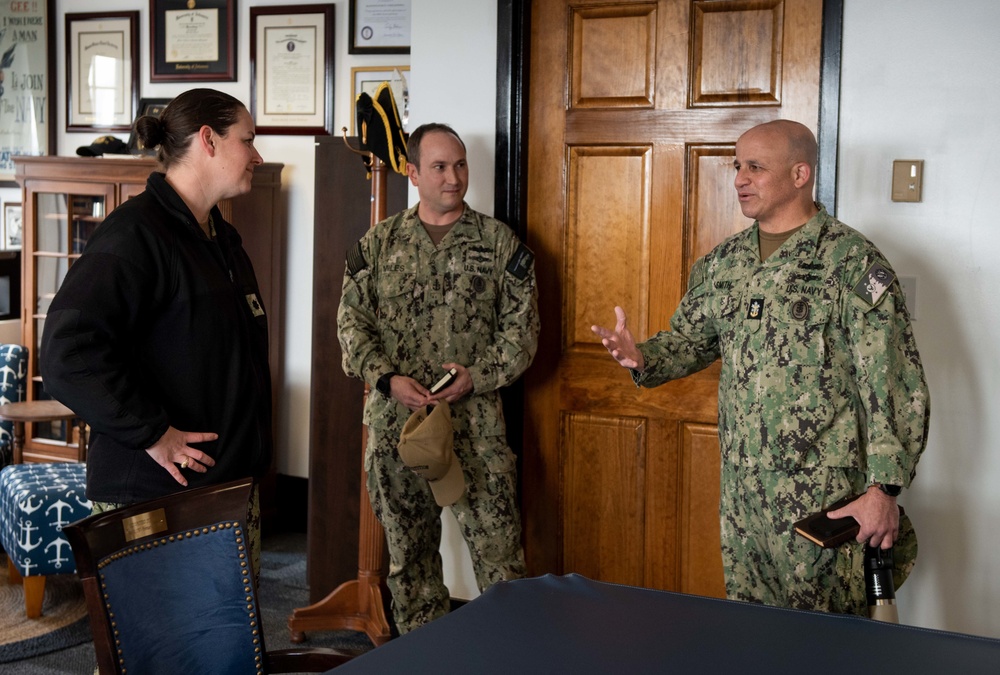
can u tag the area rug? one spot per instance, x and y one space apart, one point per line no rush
283 588
63 622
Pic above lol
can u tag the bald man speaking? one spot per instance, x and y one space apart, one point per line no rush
822 393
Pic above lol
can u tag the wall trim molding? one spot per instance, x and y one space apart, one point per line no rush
829 104
510 173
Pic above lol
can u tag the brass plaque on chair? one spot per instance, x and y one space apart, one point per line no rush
144 524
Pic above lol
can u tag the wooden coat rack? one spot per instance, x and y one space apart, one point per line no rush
358 604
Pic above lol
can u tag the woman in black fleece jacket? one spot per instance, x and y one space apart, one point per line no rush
157 337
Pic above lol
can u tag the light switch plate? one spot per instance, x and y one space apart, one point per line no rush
907 180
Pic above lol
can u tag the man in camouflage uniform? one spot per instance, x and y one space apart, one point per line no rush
434 287
821 394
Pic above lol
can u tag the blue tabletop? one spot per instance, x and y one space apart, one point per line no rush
571 624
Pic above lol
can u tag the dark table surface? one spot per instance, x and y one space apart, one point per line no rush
574 625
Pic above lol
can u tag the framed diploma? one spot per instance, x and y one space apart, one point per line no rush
291 69
27 82
380 27
102 70
192 40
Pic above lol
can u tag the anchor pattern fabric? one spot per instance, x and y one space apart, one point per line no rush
13 368
36 502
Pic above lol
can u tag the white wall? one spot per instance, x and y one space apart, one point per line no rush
919 81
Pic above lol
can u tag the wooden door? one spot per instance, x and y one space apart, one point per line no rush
635 108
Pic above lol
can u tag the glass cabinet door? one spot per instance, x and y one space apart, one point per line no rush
62 224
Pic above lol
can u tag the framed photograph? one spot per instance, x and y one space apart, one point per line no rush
102 70
367 79
192 40
291 69
12 225
147 106
27 87
380 26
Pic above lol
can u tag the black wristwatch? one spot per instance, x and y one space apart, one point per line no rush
384 385
891 490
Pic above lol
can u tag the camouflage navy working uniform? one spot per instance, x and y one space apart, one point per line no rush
408 307
821 394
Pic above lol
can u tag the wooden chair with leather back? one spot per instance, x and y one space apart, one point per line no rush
170 589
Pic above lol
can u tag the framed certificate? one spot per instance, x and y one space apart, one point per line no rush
102 70
380 27
27 82
291 64
192 40
11 225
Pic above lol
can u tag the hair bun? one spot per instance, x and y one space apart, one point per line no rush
151 131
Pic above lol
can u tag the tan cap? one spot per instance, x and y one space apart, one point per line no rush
427 447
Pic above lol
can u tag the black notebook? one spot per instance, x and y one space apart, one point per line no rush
830 532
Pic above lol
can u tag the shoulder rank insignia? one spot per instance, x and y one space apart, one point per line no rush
356 260
520 262
874 283
255 307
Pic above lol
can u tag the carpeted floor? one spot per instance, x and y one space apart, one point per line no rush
282 589
63 622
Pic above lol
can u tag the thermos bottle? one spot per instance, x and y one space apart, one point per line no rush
879 586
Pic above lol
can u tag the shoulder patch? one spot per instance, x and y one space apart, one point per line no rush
520 262
356 260
874 283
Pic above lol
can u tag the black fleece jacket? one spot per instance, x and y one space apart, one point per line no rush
156 325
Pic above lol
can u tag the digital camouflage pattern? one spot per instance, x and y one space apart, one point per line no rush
487 516
766 562
408 307
414 306
821 392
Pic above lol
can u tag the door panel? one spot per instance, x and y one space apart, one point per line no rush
736 53
608 220
710 197
604 501
701 565
635 108
613 56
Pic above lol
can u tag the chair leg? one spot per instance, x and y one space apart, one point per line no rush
13 576
34 594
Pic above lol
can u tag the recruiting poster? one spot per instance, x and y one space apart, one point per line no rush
24 81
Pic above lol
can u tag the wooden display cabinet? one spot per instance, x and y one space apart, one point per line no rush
64 200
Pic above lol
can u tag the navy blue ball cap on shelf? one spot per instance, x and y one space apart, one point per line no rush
105 145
